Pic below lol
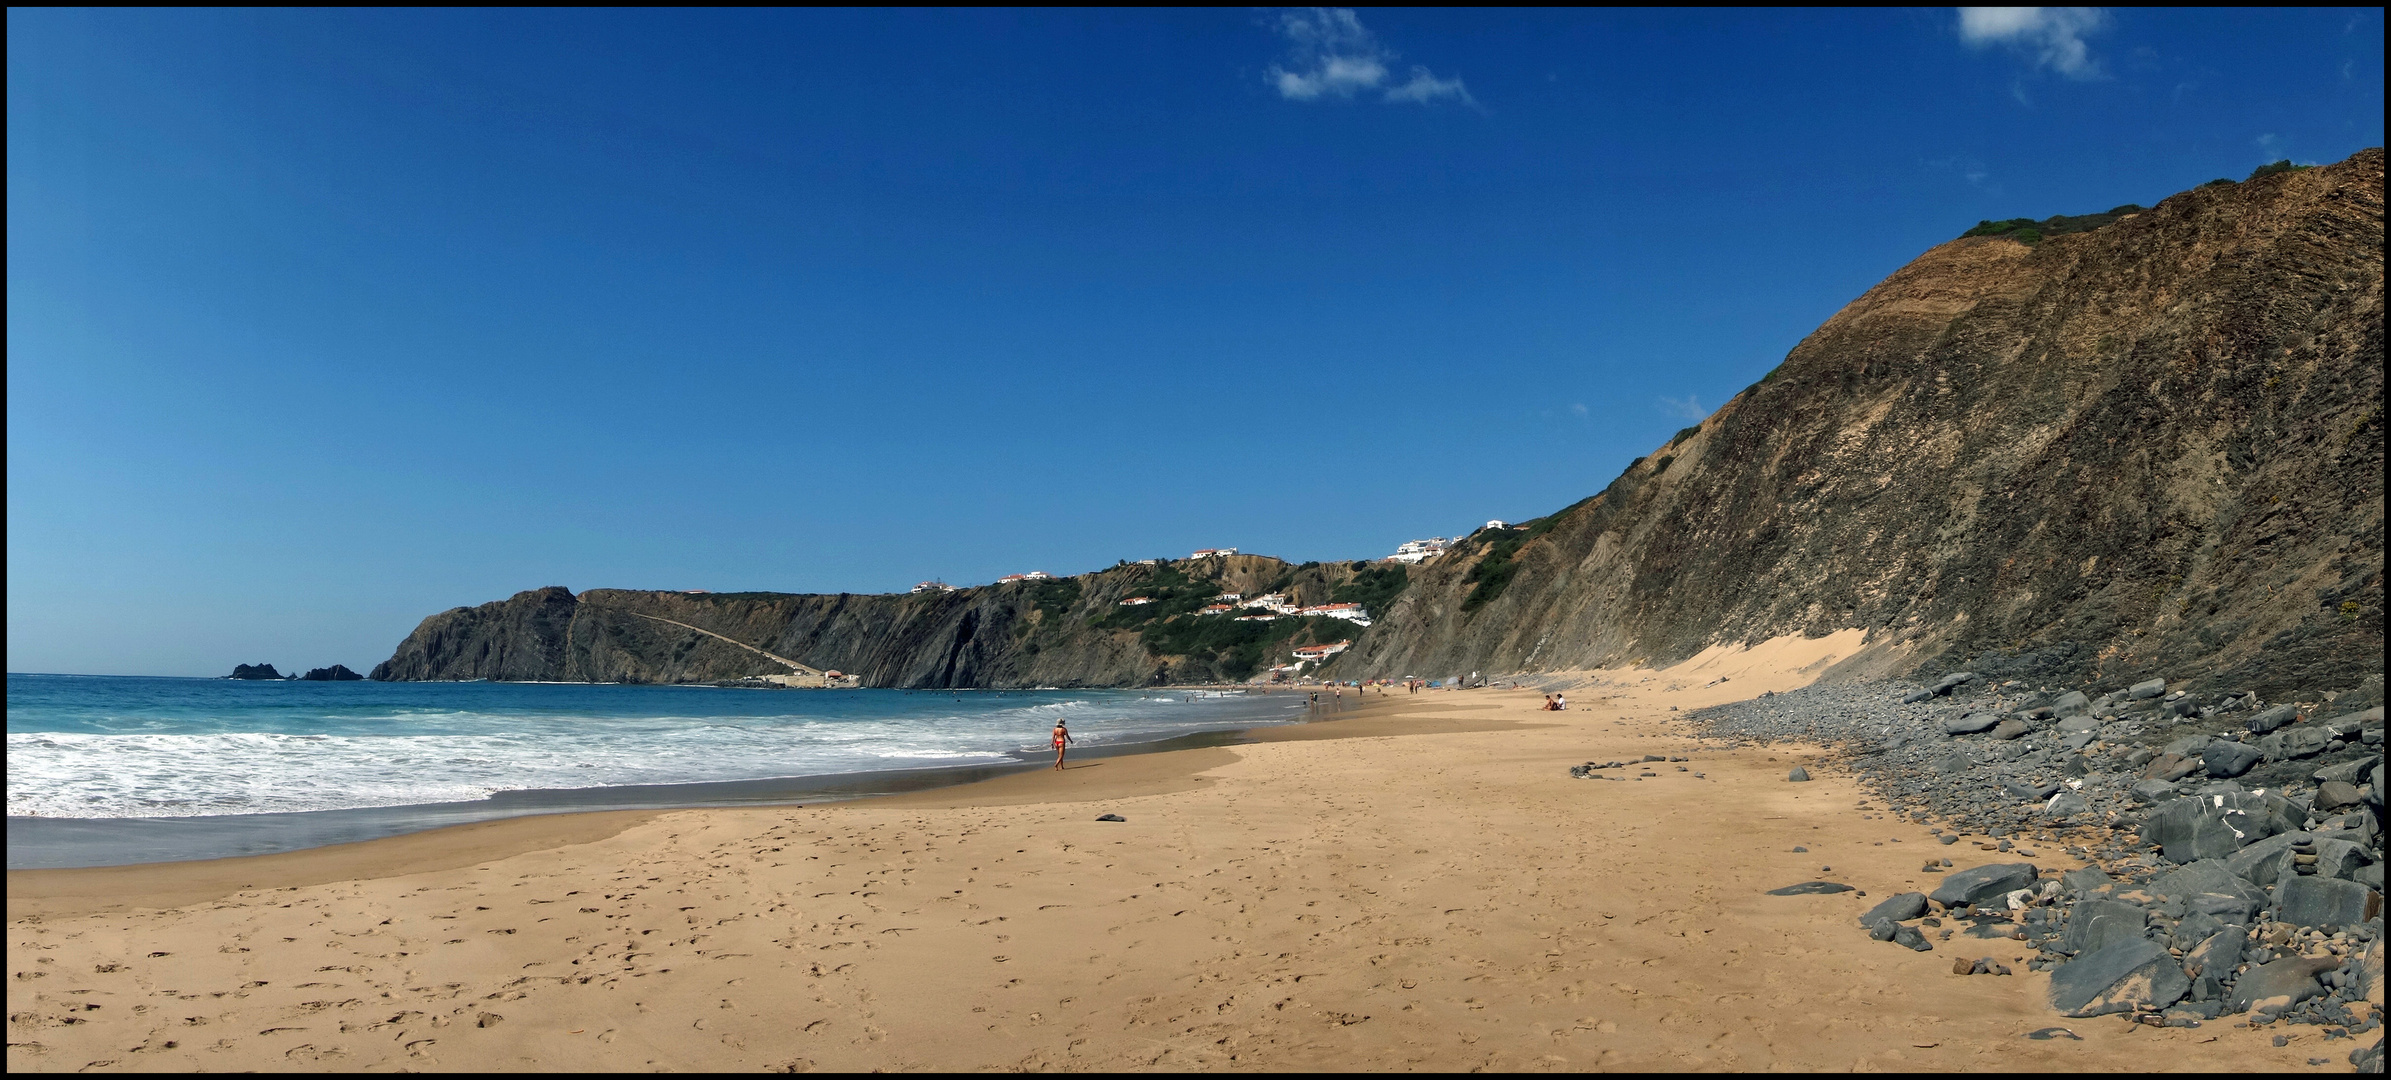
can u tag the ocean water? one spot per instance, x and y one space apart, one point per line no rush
95 750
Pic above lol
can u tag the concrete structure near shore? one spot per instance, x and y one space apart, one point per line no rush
827 680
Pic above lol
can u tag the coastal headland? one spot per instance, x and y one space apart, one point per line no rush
2150 447
1417 885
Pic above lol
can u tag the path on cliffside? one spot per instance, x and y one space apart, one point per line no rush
734 641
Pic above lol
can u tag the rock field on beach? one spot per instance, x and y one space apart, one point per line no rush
2233 845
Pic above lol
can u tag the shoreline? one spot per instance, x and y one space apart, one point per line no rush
58 843
547 818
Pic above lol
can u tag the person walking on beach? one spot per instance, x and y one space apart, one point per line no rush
1062 738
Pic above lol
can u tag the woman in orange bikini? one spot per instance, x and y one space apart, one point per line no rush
1062 738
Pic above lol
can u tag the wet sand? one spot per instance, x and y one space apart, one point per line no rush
1417 885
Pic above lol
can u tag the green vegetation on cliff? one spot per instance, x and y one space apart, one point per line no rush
1492 574
1172 591
1239 649
2030 232
1373 587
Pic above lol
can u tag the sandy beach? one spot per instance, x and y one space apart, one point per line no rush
1418 884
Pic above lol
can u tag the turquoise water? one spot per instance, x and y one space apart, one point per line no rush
117 748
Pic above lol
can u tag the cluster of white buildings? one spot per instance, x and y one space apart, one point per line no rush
1034 575
1270 606
933 586
1420 551
1208 553
1351 613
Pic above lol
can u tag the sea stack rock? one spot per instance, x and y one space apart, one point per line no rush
254 671
335 673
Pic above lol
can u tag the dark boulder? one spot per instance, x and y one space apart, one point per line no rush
2273 987
2307 740
2188 830
2032 793
2208 878
2348 724
2151 791
2264 860
2270 719
2214 826
2333 795
1971 723
1902 908
2092 924
2065 804
2217 956
2326 903
2080 881
1953 681
2228 759
1977 884
2118 977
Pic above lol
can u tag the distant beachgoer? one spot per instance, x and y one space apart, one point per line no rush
1548 705
1062 738
1560 702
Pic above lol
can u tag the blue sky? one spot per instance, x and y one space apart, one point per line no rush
321 322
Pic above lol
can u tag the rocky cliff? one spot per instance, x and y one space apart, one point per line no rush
2151 448
1064 632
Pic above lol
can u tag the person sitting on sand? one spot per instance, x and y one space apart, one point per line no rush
1548 705
1062 738
1560 702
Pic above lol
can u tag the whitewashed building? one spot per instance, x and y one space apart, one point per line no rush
1211 552
1419 551
933 586
1352 613
1317 653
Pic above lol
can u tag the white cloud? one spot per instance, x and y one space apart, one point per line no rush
2051 37
1688 409
1331 54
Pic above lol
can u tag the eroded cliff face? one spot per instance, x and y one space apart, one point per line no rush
2155 448
1023 634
